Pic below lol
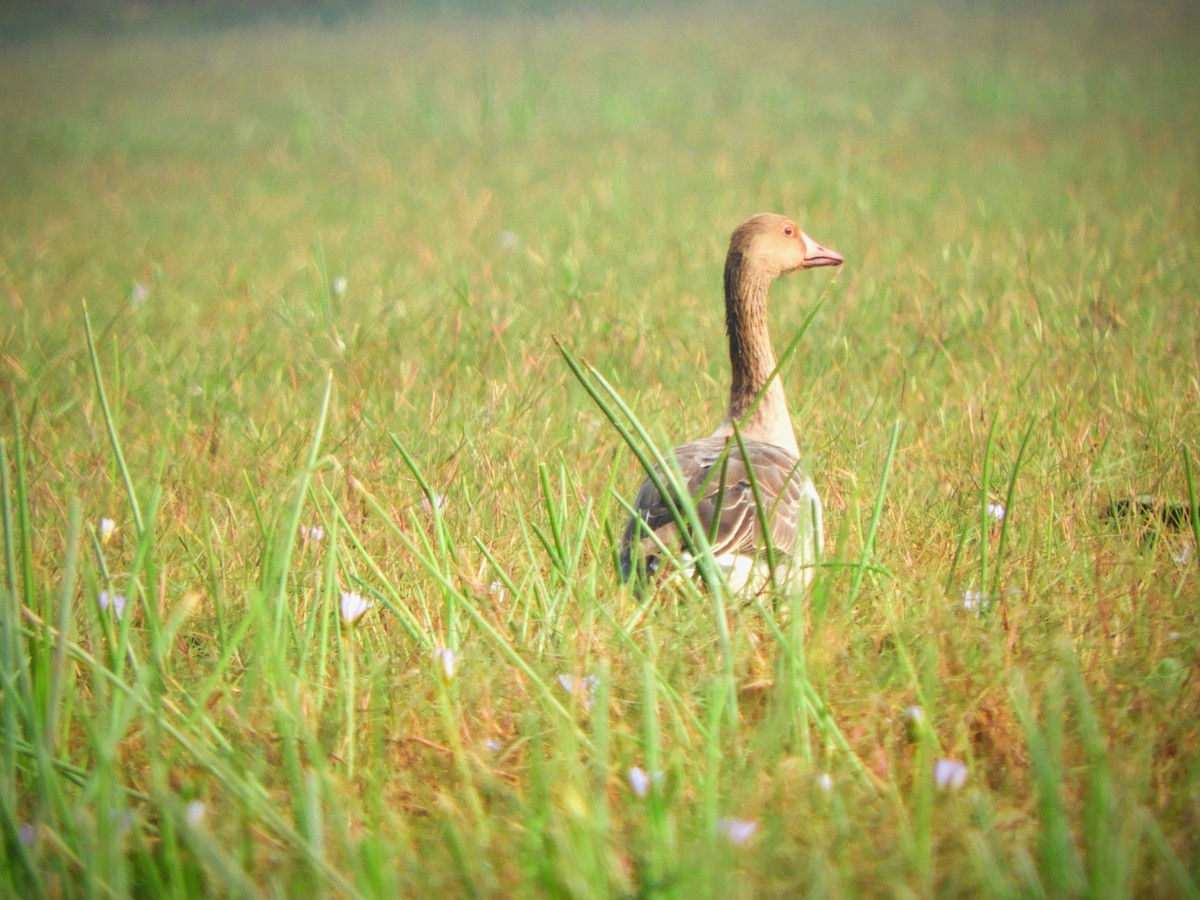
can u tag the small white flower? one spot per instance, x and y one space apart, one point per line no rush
1174 635
1184 554
496 589
138 294
509 240
439 502
313 533
447 659
354 607
949 774
493 745
976 602
114 601
339 285
996 511
195 813
639 780
584 688
736 831
825 782
107 527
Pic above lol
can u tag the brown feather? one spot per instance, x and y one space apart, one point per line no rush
715 473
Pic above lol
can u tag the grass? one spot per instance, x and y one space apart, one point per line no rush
294 275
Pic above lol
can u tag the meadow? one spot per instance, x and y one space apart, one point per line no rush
299 318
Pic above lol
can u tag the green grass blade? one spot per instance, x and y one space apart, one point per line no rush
110 424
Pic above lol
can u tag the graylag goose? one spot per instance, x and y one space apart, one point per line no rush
714 468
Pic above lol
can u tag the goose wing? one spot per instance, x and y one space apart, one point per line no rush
715 471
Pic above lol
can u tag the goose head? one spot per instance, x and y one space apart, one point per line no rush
773 245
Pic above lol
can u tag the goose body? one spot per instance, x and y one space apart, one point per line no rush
722 476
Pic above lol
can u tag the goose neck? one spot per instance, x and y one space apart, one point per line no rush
750 354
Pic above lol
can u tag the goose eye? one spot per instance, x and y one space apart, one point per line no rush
789 230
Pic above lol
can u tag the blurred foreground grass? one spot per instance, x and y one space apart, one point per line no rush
406 211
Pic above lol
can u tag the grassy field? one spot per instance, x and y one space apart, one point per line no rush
280 313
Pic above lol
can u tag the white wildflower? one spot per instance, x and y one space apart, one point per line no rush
509 240
825 782
639 780
737 831
949 774
447 661
354 607
113 601
996 511
314 533
976 602
195 813
493 745
138 294
1184 554
438 502
496 589
107 528
339 286
584 688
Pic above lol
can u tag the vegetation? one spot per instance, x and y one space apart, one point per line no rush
298 314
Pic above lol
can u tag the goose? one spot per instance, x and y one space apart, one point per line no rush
715 468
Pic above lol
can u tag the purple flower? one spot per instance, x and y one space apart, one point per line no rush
949 774
114 601
584 688
736 831
639 780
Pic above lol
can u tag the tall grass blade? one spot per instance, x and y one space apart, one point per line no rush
868 550
110 424
1193 498
278 572
1010 499
1060 868
663 471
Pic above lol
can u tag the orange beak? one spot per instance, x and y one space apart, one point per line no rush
816 255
